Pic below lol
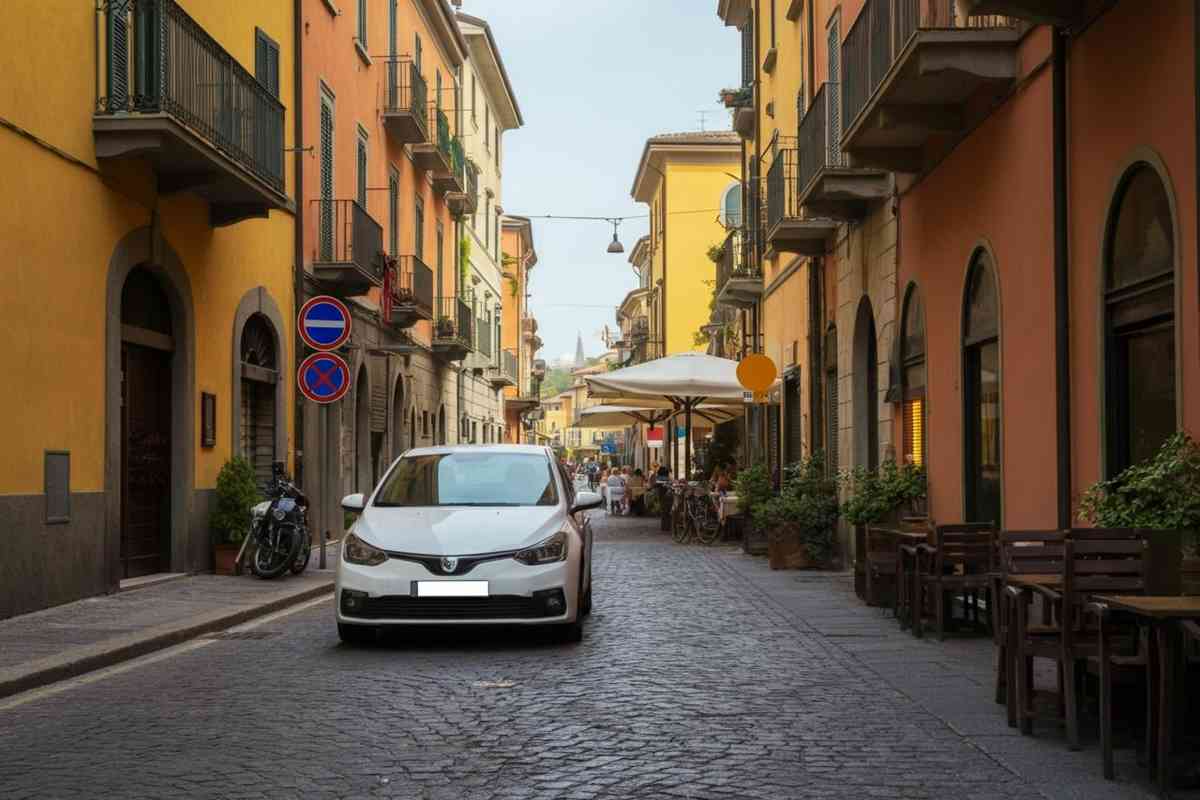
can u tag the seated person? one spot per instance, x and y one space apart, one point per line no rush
635 488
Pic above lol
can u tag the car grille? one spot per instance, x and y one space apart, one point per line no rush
498 607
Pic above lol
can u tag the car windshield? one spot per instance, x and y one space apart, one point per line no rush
470 479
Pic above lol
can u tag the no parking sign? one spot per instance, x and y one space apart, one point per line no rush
323 377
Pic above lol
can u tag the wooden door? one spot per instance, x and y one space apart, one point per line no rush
145 460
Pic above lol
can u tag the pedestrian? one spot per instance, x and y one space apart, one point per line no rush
616 492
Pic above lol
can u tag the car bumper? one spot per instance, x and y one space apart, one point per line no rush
517 594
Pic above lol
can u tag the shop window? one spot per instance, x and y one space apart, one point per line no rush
1139 302
912 355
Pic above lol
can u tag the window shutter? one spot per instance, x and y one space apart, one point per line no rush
748 54
394 214
362 173
773 441
326 181
266 63
833 94
795 421
118 56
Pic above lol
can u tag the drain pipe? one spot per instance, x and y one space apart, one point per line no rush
1062 297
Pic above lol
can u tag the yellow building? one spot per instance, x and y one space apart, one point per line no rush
148 299
684 179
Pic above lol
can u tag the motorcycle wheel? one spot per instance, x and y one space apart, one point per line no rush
301 561
271 562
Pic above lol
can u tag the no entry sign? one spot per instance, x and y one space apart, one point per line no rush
324 323
323 377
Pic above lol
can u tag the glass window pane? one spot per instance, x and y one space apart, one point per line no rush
1142 240
982 317
914 326
1150 391
471 479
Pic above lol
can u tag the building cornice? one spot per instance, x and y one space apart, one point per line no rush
490 66
657 153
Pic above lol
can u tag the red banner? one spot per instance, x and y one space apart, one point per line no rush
654 434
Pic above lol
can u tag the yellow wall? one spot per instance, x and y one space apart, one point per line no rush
60 222
692 227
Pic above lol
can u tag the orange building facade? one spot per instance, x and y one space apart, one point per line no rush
1004 269
519 331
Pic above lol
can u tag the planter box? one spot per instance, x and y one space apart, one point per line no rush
224 558
754 543
788 552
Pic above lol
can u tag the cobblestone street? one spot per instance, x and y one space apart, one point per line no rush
701 675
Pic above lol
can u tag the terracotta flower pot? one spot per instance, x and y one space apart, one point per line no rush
224 558
786 551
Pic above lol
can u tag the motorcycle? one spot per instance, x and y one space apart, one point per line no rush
280 528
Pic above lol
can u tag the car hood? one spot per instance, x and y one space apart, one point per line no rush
456 531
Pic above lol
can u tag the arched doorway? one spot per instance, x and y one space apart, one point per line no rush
259 380
398 439
147 351
912 376
866 388
362 432
981 393
1139 320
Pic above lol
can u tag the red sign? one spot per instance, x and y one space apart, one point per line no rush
654 434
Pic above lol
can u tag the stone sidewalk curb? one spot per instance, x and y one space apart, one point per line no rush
80 660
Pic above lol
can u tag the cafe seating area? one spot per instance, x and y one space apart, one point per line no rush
1096 632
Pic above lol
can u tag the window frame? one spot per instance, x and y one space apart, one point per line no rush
971 349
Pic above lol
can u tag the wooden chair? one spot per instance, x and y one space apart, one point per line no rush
880 547
1189 573
960 564
906 567
1019 553
1100 562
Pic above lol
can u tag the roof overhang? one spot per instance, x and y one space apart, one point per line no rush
523 228
441 19
485 53
734 12
641 252
656 154
630 301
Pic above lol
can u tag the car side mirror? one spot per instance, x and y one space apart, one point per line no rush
354 503
586 501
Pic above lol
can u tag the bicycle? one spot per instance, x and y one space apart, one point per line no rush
699 517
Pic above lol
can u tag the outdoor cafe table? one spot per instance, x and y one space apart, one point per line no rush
1160 613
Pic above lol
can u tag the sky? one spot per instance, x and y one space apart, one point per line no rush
594 79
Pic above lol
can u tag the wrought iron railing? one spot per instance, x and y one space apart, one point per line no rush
454 321
153 58
737 259
782 186
508 363
818 146
414 283
639 328
441 124
407 91
881 33
471 189
458 160
347 234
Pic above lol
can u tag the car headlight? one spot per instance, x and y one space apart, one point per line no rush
545 551
356 551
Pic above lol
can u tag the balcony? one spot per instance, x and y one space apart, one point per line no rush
505 373
829 186
434 155
412 292
455 181
168 94
739 279
349 255
466 202
741 103
787 231
406 103
639 330
1063 13
529 328
911 69
483 339
453 328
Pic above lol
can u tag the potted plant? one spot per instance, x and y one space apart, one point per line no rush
236 494
802 519
1160 493
753 487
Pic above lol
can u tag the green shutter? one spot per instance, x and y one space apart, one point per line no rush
326 181
118 57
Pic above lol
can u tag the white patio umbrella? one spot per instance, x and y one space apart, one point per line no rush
606 416
685 380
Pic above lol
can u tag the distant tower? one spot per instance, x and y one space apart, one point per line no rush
580 359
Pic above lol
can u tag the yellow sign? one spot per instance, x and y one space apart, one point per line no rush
756 372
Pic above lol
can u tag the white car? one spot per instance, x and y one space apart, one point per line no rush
469 534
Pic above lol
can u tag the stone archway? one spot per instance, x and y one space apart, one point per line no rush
145 250
865 385
258 302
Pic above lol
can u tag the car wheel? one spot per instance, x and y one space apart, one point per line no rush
570 633
585 603
356 634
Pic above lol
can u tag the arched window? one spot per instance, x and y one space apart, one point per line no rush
912 376
731 206
1139 305
981 395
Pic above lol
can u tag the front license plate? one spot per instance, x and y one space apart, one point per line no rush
452 588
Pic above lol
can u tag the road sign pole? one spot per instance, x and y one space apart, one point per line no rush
326 484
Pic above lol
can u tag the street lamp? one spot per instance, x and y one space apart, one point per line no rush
615 245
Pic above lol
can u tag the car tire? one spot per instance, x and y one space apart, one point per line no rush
570 633
585 603
357 634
